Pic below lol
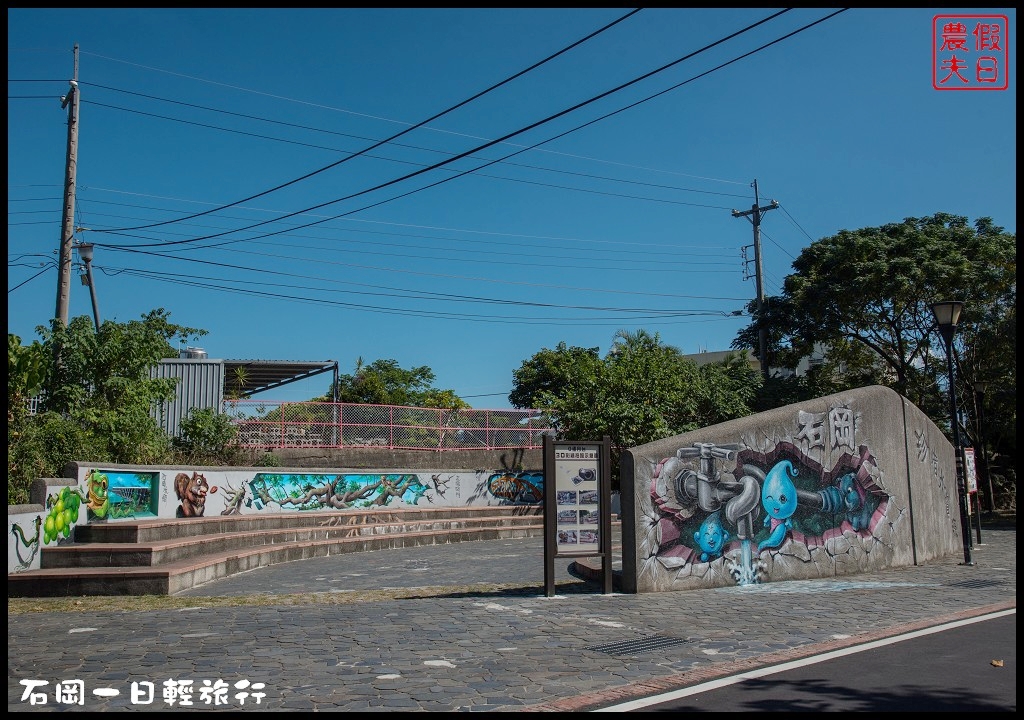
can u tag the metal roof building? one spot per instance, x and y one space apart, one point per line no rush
205 383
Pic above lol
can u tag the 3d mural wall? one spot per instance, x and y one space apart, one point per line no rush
839 485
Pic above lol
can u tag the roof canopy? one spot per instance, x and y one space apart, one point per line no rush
248 377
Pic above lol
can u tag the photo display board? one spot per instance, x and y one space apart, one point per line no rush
577 505
579 477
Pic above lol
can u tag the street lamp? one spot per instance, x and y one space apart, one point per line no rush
979 397
85 251
947 313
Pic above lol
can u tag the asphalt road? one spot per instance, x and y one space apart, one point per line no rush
965 668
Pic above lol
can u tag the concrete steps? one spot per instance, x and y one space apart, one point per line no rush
164 557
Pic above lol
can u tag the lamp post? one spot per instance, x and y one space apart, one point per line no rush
85 252
979 397
947 313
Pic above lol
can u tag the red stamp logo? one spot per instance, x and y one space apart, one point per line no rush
970 52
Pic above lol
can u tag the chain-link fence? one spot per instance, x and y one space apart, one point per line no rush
263 424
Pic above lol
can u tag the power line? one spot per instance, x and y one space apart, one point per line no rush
471 317
469 152
445 276
518 245
412 225
417 125
28 281
474 170
406 294
409 162
363 137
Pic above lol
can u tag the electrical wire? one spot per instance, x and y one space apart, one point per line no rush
614 291
409 129
362 137
474 150
474 170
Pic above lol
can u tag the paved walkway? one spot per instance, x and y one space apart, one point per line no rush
510 650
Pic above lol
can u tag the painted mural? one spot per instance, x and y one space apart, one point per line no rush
334 492
26 548
194 493
106 494
117 495
732 508
191 491
517 487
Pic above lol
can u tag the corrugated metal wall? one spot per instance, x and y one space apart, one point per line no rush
201 386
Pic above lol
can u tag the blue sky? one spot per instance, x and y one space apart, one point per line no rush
616 215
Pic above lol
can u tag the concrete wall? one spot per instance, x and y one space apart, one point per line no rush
113 493
51 517
356 458
843 484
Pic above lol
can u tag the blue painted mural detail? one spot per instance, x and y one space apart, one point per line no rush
300 491
700 509
778 497
517 487
114 494
711 537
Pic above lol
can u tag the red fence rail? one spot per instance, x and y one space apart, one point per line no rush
263 424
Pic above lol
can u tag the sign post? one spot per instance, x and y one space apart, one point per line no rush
970 470
577 505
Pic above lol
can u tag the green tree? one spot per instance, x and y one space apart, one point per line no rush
549 371
866 294
98 397
642 390
385 382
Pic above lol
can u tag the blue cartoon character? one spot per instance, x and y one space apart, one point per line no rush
711 537
778 496
847 498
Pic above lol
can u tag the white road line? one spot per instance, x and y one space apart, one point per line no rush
763 672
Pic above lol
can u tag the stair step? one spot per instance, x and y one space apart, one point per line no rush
167 556
161 552
177 576
155 530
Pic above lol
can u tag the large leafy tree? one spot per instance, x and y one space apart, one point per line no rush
548 372
866 296
385 382
97 396
642 390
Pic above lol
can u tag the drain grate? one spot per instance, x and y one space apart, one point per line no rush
639 646
975 584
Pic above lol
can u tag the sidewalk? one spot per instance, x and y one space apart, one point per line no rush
512 649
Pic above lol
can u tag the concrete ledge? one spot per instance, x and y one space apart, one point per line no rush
26 508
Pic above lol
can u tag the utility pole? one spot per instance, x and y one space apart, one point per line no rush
754 215
71 102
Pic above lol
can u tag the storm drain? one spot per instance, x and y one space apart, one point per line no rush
639 646
975 584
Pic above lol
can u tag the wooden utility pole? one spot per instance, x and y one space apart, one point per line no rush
67 237
754 215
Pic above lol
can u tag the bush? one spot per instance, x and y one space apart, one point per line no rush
41 446
205 436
